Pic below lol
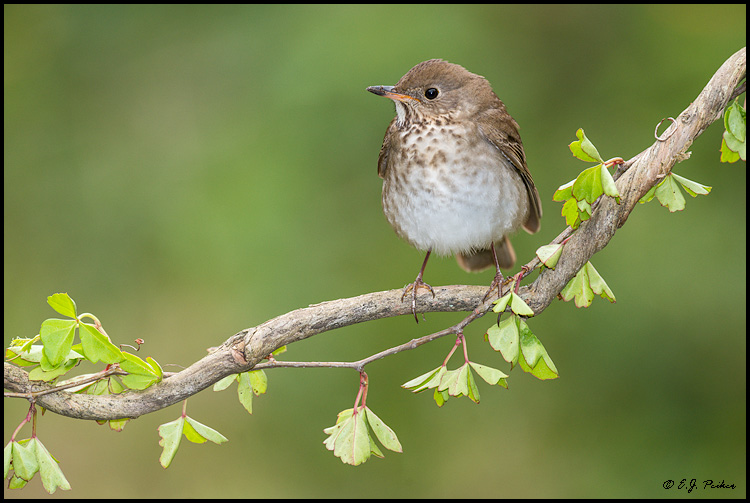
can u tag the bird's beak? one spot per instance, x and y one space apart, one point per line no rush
387 91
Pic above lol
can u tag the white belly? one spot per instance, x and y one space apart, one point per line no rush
456 205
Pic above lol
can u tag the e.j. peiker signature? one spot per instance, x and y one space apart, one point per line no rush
693 483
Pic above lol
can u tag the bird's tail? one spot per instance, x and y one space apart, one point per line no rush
482 259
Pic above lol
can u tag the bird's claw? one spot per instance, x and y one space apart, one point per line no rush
498 283
413 287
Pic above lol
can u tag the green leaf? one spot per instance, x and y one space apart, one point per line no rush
171 434
440 397
460 385
49 470
245 391
669 195
358 451
434 382
16 482
202 431
342 416
21 358
588 186
141 375
735 136
428 380
726 115
519 306
584 285
282 349
118 424
579 288
490 375
535 359
99 387
258 381
57 338
584 210
608 184
156 367
549 254
63 304
564 192
531 348
598 285
503 337
541 371
385 435
349 439
335 430
25 463
34 354
502 303
583 149
648 195
97 346
419 381
570 212
448 380
735 121
25 344
691 187
224 383
734 144
374 449
39 374
189 432
472 386
728 155
7 455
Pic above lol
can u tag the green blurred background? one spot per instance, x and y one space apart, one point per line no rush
187 172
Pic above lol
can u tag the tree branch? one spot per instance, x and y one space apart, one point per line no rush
244 350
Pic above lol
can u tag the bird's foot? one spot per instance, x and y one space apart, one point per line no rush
413 287
497 283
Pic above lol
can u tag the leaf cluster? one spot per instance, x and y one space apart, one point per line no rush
733 142
249 384
171 433
25 458
57 355
513 338
579 194
457 383
668 194
584 285
351 438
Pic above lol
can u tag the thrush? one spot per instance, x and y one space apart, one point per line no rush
455 180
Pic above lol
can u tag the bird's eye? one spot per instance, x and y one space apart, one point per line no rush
431 93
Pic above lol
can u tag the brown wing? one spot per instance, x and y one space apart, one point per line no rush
385 150
499 128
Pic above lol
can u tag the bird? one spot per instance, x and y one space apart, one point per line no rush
455 179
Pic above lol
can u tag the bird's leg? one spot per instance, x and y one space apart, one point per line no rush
417 284
499 279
